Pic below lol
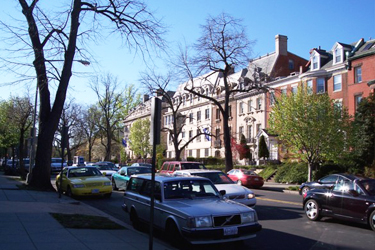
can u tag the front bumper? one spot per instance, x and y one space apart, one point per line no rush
92 191
216 235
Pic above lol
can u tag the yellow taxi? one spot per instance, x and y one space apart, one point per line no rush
83 181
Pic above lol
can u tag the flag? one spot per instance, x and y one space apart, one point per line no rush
206 134
124 142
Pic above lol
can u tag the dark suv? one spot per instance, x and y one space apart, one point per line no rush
170 166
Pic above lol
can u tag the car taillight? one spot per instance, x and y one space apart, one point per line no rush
304 195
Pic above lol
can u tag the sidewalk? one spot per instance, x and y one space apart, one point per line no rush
279 187
25 223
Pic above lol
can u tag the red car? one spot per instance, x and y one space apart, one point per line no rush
246 178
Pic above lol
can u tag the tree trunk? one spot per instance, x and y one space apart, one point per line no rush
227 142
309 171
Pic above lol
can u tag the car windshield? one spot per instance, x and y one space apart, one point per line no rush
105 167
216 177
248 172
369 185
139 170
56 160
84 171
189 189
192 166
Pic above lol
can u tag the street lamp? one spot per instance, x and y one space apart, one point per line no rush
33 131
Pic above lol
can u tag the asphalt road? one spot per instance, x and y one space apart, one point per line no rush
284 225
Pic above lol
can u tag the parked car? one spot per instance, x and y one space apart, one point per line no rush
169 167
246 178
351 198
120 178
56 164
223 182
189 209
106 170
83 181
325 182
141 164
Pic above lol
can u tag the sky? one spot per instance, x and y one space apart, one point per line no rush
307 24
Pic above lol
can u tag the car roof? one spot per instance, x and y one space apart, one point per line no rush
167 178
192 171
183 162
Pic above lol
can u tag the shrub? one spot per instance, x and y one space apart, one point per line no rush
291 173
268 171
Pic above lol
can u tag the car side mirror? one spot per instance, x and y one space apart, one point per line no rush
122 173
104 173
353 192
223 192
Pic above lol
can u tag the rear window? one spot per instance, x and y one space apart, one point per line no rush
192 166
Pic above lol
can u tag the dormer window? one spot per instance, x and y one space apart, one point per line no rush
338 55
315 62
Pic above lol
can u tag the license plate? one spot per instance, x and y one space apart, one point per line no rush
95 191
256 179
230 230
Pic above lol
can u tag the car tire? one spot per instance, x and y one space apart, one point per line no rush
69 192
239 182
312 210
135 220
174 236
371 220
305 190
114 187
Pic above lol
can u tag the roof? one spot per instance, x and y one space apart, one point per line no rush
192 171
263 64
167 178
366 49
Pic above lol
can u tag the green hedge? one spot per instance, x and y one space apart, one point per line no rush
291 173
268 171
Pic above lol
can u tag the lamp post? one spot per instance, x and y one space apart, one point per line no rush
33 131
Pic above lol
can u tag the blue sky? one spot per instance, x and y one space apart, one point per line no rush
307 24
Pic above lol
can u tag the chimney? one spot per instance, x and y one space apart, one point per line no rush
281 45
145 98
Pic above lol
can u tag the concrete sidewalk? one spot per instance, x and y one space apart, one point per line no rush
25 223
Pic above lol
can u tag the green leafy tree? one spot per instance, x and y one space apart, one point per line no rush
140 138
48 40
363 146
8 130
263 151
311 127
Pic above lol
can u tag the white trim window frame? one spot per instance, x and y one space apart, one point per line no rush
337 83
338 55
358 74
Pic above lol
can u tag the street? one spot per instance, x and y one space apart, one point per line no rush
284 225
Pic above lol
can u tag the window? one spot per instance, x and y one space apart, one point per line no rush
207 114
320 85
283 91
337 83
272 98
191 98
357 100
291 64
338 106
358 74
241 108
198 137
309 86
183 134
249 127
258 128
184 101
315 62
259 103
240 131
217 133
217 114
190 153
230 110
206 152
338 55
190 134
294 89
249 105
198 115
191 117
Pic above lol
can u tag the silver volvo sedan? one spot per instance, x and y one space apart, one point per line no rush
189 209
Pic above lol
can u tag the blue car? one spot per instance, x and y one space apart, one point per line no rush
120 178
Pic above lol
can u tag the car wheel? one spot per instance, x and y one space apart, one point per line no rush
135 220
312 210
174 235
305 190
239 182
114 187
69 192
371 220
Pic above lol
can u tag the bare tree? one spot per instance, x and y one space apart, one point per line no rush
159 84
110 103
90 127
51 38
222 47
